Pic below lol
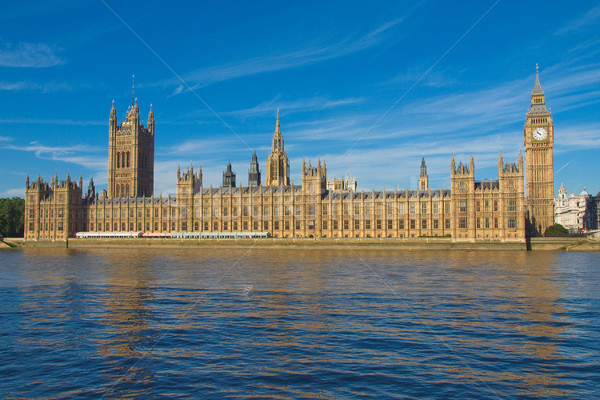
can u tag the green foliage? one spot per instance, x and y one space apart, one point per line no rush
12 213
556 230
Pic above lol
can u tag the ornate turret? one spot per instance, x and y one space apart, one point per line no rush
151 120
229 177
278 166
131 153
423 177
254 172
113 116
500 162
188 182
472 164
314 179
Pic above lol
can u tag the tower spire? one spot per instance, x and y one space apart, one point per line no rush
538 101
278 172
278 137
132 89
537 89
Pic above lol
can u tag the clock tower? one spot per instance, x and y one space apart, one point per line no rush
539 141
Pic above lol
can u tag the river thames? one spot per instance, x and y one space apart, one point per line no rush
318 324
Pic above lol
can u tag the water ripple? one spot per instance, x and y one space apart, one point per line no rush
295 324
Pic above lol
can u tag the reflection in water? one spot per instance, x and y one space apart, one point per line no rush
290 323
127 301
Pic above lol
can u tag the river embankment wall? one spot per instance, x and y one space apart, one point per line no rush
554 244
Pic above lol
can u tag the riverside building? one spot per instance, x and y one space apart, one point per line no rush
469 210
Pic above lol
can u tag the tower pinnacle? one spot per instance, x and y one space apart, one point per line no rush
278 172
132 89
537 89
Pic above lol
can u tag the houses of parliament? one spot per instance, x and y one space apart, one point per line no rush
469 210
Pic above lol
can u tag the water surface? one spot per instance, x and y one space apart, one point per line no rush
325 324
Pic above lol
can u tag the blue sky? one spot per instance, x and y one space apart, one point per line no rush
370 89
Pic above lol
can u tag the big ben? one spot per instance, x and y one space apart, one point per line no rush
539 141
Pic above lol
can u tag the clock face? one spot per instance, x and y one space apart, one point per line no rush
539 134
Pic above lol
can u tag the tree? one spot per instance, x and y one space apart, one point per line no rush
12 217
556 230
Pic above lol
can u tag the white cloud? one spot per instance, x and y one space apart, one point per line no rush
30 55
577 137
17 86
75 154
43 121
588 20
311 53
46 87
291 106
16 192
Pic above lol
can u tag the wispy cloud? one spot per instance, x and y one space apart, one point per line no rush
46 87
436 79
190 149
292 106
28 55
577 137
313 53
288 107
83 155
589 20
17 86
15 192
43 121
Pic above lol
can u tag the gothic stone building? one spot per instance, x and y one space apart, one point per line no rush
469 210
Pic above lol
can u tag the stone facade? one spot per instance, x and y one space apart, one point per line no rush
130 154
577 213
539 143
469 210
278 165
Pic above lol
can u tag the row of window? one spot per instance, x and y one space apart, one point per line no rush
266 211
276 225
46 213
257 225
511 223
123 159
511 206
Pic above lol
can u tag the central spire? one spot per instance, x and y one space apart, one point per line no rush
278 166
277 136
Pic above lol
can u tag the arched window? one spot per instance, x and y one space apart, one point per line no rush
118 160
127 159
118 191
127 190
123 190
123 159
